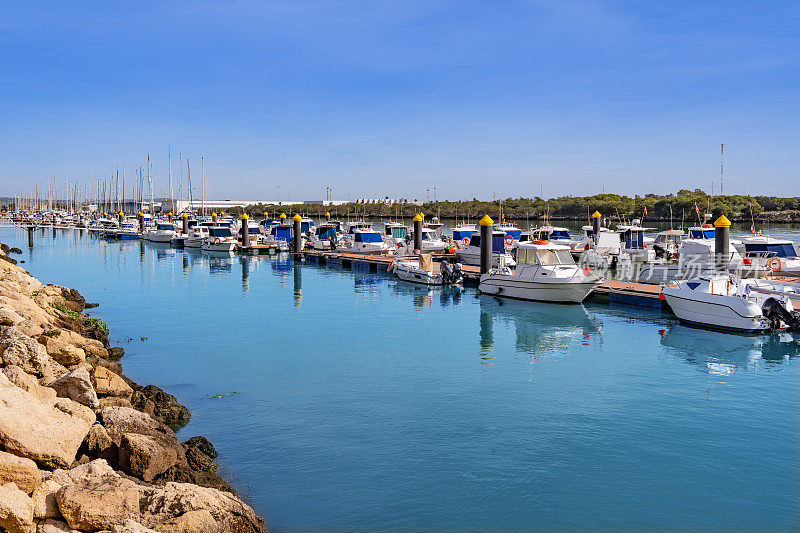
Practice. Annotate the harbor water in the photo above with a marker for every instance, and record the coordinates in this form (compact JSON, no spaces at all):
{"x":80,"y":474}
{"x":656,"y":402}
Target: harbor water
{"x":346,"y":400}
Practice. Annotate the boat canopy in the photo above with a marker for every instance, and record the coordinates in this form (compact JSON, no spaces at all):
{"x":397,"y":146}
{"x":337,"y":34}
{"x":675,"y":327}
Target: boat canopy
{"x":460,"y":234}
{"x":325,"y":233}
{"x":166,"y":227}
{"x":498,"y":242}
{"x":514,"y":232}
{"x":282,"y":233}
{"x":633,"y":239}
{"x":702,"y":233}
{"x":368,"y":236}
{"x":780,"y":249}
{"x":220,"y":231}
{"x":306,"y":225}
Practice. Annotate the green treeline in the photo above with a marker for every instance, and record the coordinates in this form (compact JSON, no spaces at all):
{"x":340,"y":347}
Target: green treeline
{"x":685,"y":204}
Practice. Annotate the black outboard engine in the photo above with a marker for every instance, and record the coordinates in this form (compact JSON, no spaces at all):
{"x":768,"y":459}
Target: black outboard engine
{"x":660,"y":251}
{"x":777,"y":314}
{"x":451,"y":273}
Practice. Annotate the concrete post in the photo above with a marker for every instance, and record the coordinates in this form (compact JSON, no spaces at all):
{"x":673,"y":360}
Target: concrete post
{"x":185,"y":220}
{"x":214,"y":218}
{"x":596,"y":224}
{"x":722,"y":244}
{"x":141,"y":222}
{"x":297,"y":238}
{"x":30,"y":236}
{"x":245,"y":231}
{"x":327,"y":215}
{"x":486,"y":243}
{"x":418,"y":232}
{"x":120,"y":218}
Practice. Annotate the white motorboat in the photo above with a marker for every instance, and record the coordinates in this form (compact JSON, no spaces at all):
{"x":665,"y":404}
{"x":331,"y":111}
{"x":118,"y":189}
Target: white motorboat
{"x":220,"y":239}
{"x":724,"y":301}
{"x":366,"y":241}
{"x":545,"y":272}
{"x":395,"y":234}
{"x":163,"y":232}
{"x":431,"y":242}
{"x":634,"y":243}
{"x":511,"y":231}
{"x":778,"y":255}
{"x":197,"y":235}
{"x":426,"y":272}
{"x":554,"y":234}
{"x":470,"y":254}
{"x":326,"y":236}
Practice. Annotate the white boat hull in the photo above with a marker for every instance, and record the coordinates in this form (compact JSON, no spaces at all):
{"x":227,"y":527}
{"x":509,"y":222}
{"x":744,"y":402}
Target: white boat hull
{"x":716,"y":311}
{"x":471,"y":257}
{"x":223,"y":246}
{"x":415,"y":275}
{"x":559,"y":292}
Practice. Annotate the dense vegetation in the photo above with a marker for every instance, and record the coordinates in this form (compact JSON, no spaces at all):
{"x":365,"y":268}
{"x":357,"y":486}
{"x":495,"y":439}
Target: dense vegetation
{"x":684,"y":205}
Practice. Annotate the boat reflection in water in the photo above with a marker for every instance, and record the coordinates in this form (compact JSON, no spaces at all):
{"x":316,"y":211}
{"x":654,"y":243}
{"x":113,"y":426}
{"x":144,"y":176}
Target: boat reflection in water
{"x":724,"y":353}
{"x":542,"y":329}
{"x":426,"y":295}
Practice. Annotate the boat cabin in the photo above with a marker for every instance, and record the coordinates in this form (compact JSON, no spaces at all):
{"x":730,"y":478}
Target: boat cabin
{"x":220,"y":232}
{"x":367,"y":236}
{"x":459,"y":234}
{"x":769,"y":248}
{"x":544,"y":255}
{"x":498,"y":242}
{"x":282,"y":232}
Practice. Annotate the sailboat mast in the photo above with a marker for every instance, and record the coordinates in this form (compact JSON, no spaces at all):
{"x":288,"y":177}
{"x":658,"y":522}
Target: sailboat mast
{"x":169,"y":176}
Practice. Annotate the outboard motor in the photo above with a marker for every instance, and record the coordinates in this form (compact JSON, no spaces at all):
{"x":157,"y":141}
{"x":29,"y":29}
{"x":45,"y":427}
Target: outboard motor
{"x":660,"y":251}
{"x":776,"y":313}
{"x":451,"y":273}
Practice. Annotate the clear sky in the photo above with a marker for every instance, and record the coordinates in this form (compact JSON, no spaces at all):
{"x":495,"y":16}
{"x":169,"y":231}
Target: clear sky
{"x":381,"y":98}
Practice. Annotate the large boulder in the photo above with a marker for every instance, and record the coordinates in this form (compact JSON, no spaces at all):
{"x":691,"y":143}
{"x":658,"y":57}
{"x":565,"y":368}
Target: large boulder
{"x":94,"y":503}
{"x":161,"y":405}
{"x":19,"y":470}
{"x":73,"y":408}
{"x":201,"y":521}
{"x":107,"y":383}
{"x":162,"y":504}
{"x":28,"y":382}
{"x":121,"y":420}
{"x":146,"y":457}
{"x":18,"y":349}
{"x":54,"y":526}
{"x":65,"y":353}
{"x":44,"y":500}
{"x":131,"y":526}
{"x":77,"y":385}
{"x":9,"y":317}
{"x":98,"y":444}
{"x":30,"y":428}
{"x":202,"y":444}
{"x":16,"y":510}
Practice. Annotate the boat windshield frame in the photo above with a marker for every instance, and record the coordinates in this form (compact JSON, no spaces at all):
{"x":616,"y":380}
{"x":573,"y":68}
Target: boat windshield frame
{"x":544,"y":257}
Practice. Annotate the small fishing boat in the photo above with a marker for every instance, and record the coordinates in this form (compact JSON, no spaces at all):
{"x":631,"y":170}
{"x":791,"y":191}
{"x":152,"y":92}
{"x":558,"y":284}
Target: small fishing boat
{"x":545,"y":272}
{"x":779,"y":255}
{"x":426,"y":272}
{"x":463,"y":232}
{"x":163,"y":232}
{"x":197,"y":235}
{"x":633,"y":242}
{"x":220,"y":239}
{"x":395,"y":234}
{"x":366,"y":241}
{"x":325,"y":236}
{"x":431,"y":242}
{"x":723,"y":301}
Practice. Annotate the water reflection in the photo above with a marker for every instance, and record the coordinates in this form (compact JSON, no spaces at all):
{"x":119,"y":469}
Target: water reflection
{"x":245,"y":260}
{"x":542,"y":330}
{"x":724,"y":353}
{"x":298,"y":283}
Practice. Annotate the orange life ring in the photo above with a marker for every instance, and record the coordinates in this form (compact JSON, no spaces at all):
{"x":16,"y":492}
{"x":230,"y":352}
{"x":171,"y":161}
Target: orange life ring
{"x":775,"y":263}
{"x":217,"y":241}
{"x":509,"y":240}
{"x":465,"y":240}
{"x":542,"y":241}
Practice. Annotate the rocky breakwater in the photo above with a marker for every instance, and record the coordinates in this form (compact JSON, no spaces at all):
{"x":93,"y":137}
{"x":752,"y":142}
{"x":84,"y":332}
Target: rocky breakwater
{"x":82,"y":448}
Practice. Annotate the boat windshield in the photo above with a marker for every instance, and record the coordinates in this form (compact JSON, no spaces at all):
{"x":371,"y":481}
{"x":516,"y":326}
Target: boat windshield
{"x":368,"y":236}
{"x":772,"y":250}
{"x":399,"y":233}
{"x":428,"y":235}
{"x":560,"y":234}
{"x":325,"y":233}
{"x":221,"y":232}
{"x":166,"y":227}
{"x":544,"y":256}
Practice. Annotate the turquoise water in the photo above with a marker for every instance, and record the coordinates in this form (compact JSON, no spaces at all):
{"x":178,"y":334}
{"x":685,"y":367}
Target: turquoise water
{"x":350,"y":401}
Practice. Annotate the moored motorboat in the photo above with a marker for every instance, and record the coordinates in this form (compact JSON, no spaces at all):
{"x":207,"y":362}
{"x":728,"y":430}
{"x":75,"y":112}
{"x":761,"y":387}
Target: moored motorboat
{"x":426,"y":272}
{"x":220,"y":239}
{"x":544,"y":272}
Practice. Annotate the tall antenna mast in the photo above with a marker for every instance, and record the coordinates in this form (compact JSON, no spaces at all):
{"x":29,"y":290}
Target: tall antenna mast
{"x":169,"y":174}
{"x":721,"y":166}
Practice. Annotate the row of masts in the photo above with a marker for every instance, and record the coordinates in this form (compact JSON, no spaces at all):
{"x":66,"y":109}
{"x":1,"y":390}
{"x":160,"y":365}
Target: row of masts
{"x":109,"y":194}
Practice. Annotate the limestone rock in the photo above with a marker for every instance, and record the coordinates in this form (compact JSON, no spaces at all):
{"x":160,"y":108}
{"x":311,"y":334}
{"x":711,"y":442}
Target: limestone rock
{"x":9,"y":317}
{"x":77,"y":385}
{"x":145,"y":457}
{"x":18,"y":349}
{"x":94,"y":469}
{"x":197,"y":460}
{"x":44,"y":500}
{"x":54,"y":526}
{"x":94,"y":503}
{"x":30,"y":428}
{"x":165,"y":406}
{"x":63,"y":352}
{"x":73,"y":408}
{"x":202,"y":444}
{"x":20,"y":471}
{"x":28,"y":382}
{"x":107,"y":383}
{"x":16,"y":510}
{"x":201,"y":521}
{"x":99,"y":444}
{"x":131,"y":526}
{"x":164,"y":503}
{"x":113,"y":401}
{"x":121,"y":420}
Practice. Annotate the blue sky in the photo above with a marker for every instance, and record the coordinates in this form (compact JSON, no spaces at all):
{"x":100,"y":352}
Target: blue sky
{"x":390,"y":98}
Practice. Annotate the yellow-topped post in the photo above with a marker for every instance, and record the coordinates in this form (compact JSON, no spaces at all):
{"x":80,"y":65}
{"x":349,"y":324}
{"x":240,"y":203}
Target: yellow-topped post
{"x":185,"y":224}
{"x":214,"y":217}
{"x":141,"y":222}
{"x":245,"y":233}
{"x":418,"y":232}
{"x":486,"y":224}
{"x":596,"y":225}
{"x":120,"y":218}
{"x":283,"y":218}
{"x":327,"y":215}
{"x":297,"y":236}
{"x":722,"y":243}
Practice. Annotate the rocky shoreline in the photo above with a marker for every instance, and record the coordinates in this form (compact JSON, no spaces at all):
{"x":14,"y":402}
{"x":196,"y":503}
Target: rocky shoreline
{"x":82,"y":447}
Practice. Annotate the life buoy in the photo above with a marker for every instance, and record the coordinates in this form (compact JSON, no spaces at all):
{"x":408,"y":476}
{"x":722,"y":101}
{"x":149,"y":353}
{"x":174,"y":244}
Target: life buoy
{"x":217,"y":241}
{"x":509,"y":240}
{"x":775,"y":263}
{"x":465,"y":240}
{"x":541,"y":241}
{"x":399,"y":244}
{"x":587,"y":271}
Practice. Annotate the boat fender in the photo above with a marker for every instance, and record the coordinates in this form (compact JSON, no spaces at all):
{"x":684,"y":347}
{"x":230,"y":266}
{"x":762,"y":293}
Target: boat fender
{"x":587,"y":271}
